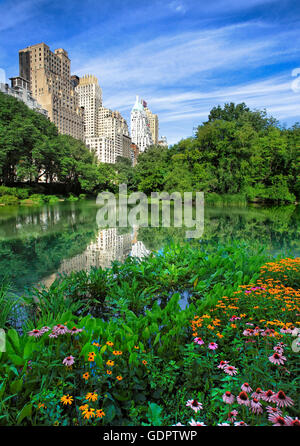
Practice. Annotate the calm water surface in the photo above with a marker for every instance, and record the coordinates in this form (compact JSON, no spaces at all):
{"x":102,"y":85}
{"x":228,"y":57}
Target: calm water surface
{"x":38,"y":243}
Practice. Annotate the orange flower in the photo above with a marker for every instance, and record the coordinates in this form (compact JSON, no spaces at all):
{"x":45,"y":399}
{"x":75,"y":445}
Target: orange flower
{"x":91,"y":396}
{"x":86,"y":376}
{"x":119,"y":378}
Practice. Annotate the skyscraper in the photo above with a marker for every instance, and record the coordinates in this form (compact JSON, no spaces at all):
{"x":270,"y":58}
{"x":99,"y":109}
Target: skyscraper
{"x":106,"y":131}
{"x":50,"y":83}
{"x":153,"y":121}
{"x":140,"y":126}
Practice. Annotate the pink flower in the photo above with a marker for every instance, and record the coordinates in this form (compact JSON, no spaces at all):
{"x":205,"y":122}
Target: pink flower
{"x":230,"y":370}
{"x":228,"y":398}
{"x":213,"y":345}
{"x":277,"y":420}
{"x":282,"y":400}
{"x":273,"y":410}
{"x":290,"y":422}
{"x":246,"y":388}
{"x":277,"y":358}
{"x":198,"y":341}
{"x":256,"y":406}
{"x":223,"y":364}
{"x":232,"y":415}
{"x":194,"y":404}
{"x":196,"y":423}
{"x":243,"y":399}
{"x":267,"y":395}
{"x":258,"y":393}
{"x":223,"y":424}
{"x":240,"y":423}
{"x":60,"y":329}
{"x":68,"y":361}
{"x":75,"y":330}
{"x":35,"y":333}
{"x":45,"y":329}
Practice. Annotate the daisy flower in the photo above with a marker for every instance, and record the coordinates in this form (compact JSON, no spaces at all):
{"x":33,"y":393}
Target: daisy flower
{"x":100,"y":413}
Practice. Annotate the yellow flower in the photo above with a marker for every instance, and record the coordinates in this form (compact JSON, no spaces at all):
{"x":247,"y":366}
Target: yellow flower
{"x":109,"y":372}
{"x":111,"y":363}
{"x":100,"y":413}
{"x":91,"y":396}
{"x":109,"y":343}
{"x":91,"y":356}
{"x":86,"y":376}
{"x":84,"y":407}
{"x":119,"y":378}
{"x":66,"y":399}
{"x":89,"y":413}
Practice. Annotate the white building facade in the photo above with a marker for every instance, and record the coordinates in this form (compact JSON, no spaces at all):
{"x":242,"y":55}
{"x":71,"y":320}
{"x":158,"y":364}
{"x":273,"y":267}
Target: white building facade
{"x":140,"y":126}
{"x":106,"y":131}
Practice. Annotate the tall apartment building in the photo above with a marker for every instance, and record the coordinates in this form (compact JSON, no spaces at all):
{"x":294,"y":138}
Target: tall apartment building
{"x":153,"y":122}
{"x":51,"y":85}
{"x":140,"y":126}
{"x":106,"y":131}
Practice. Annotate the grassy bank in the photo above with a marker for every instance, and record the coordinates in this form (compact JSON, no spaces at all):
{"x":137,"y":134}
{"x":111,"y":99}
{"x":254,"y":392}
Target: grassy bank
{"x":28,"y":196}
{"x":114,"y":347}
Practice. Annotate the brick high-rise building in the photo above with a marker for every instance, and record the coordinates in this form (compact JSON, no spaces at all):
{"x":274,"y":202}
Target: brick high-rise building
{"x":51,"y":85}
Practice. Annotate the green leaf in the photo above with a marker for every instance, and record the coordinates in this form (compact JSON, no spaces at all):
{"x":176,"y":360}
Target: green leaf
{"x":25,"y":412}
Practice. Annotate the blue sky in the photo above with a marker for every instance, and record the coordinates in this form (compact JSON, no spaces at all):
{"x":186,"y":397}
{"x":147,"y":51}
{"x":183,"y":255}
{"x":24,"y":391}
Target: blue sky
{"x":182,"y":56}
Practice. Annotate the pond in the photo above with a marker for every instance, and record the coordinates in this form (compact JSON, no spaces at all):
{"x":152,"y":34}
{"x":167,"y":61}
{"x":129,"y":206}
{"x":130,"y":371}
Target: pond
{"x":38,"y":243}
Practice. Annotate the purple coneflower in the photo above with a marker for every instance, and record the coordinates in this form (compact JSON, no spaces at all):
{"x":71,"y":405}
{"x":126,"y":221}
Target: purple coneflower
{"x":198,"y":341}
{"x":256,"y":406}
{"x":230,"y":370}
{"x":196,"y":423}
{"x":223,"y":364}
{"x":282,"y":400}
{"x":240,"y":423}
{"x":194,"y":404}
{"x":277,"y":420}
{"x":232,"y":415}
{"x":35,"y":333}
{"x":212,"y":345}
{"x":228,"y":397}
{"x":277,"y":358}
{"x":68,"y":361}
{"x":258,"y":393}
{"x":246,"y":388}
{"x":243,"y":399}
{"x":267,"y":395}
{"x":273,"y":410}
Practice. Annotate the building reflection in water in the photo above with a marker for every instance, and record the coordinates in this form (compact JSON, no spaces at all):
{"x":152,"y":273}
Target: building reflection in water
{"x":108,"y":246}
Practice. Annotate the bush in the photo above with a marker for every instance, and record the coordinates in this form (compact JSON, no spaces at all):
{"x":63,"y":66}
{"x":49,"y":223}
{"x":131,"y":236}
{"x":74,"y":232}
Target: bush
{"x":9,"y":199}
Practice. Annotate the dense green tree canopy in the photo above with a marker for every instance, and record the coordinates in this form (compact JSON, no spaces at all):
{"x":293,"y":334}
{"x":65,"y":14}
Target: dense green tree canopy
{"x":237,"y":151}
